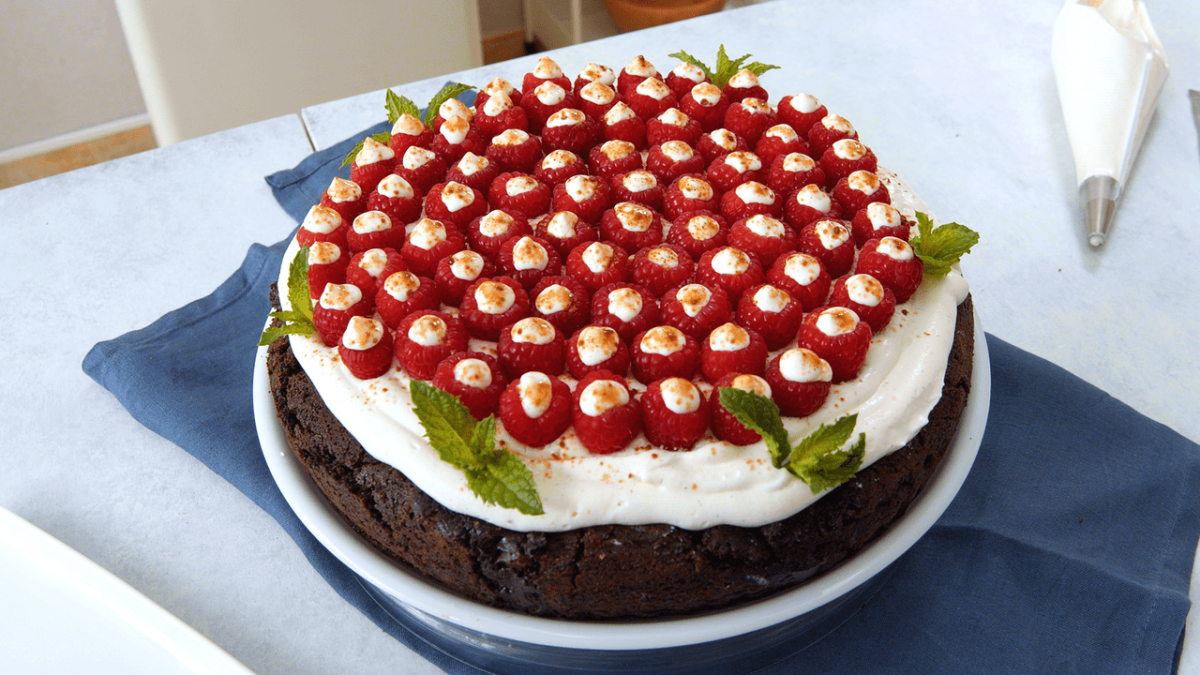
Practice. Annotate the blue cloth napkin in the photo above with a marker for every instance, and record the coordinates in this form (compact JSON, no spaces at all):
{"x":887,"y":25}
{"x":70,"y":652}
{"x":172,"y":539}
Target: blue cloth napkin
{"x":1069,"y":548}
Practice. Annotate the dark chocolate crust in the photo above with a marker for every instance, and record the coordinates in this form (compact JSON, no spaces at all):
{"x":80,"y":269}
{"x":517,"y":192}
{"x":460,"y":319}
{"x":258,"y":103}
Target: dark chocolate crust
{"x":610,"y":571}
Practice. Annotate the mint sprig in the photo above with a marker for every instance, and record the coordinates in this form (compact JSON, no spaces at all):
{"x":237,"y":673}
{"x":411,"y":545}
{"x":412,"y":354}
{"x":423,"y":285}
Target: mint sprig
{"x":725,"y":68}
{"x":495,"y":475}
{"x":299,"y":319}
{"x":817,"y":459}
{"x":398,"y":106}
{"x":939,"y":248}
{"x":384,"y":137}
{"x":448,"y":92}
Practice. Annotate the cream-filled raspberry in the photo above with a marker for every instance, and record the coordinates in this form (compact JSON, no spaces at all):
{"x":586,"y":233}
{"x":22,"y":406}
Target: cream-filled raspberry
{"x":597,"y":344}
{"x":731,"y":348}
{"x":748,"y":199}
{"x":494,"y":298}
{"x":803,"y":277}
{"x":491,"y":304}
{"x":597,"y":264}
{"x":532,"y":344}
{"x":800,"y":381}
{"x":601,"y":396}
{"x":837,"y":335}
{"x":321,"y":224}
{"x":427,"y":331}
{"x":772,"y":313}
{"x":631,"y":226}
{"x":664,"y":351}
{"x":534,"y":391}
{"x":626,"y":308}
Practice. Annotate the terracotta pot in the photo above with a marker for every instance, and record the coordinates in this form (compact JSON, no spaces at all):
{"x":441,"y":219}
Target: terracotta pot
{"x":631,"y":15}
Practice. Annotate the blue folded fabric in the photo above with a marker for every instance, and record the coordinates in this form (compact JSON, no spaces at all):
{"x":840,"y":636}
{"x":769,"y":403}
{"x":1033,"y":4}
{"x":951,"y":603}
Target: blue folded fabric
{"x":1069,"y":548}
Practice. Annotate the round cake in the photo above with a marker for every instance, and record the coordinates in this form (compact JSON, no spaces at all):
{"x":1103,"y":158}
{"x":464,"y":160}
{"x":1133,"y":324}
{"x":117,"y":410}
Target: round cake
{"x":592,"y":266}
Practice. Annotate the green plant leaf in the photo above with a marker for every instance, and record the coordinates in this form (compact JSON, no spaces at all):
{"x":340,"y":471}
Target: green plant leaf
{"x":507,"y":482}
{"x":447,"y":422}
{"x":759,"y":413}
{"x":384,"y":137}
{"x":448,"y":92}
{"x":760,"y":68}
{"x":818,"y":459}
{"x":398,"y":106}
{"x":688,"y":58}
{"x":299,"y":319}
{"x":940,"y":248}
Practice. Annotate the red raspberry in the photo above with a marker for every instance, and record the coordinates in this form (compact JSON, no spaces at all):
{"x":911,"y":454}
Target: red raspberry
{"x":569,"y":129}
{"x":333,"y":310}
{"x":374,"y":229}
{"x":837,"y":335}
{"x":597,"y":264}
{"x":488,"y":232}
{"x":515,"y":150}
{"x":859,"y":189}
{"x":367,"y":269}
{"x":730,"y":348}
{"x":675,"y":413}
{"x":519,"y":193}
{"x":425,"y":338}
{"x":729,"y":171}
{"x":421,"y":168}
{"x":454,"y":204}
{"x":450,"y":109}
{"x":595,"y":99}
{"x":830,"y":129}
{"x":408,"y":131}
{"x":638,"y":186}
{"x":664,"y":351}
{"x":772,"y":313}
{"x":749,"y":199}
{"x":322,"y":224}
{"x":650,"y":98}
{"x":606,"y":415}
{"x":661,"y":268}
{"x":544,"y":100}
{"x":429,"y":242}
{"x":395,"y":197}
{"x":687,"y":194}
{"x":366,"y":348}
{"x":792,"y":171}
{"x":326,"y":265}
{"x":613,"y":158}
{"x":803,"y":277}
{"x":800,"y":382}
{"x":684,"y":77}
{"x":877,"y":221}
{"x":621,"y":123}
{"x":780,"y":139}
{"x":585,"y":196}
{"x":695,"y":309}
{"x":730,"y":269}
{"x":490,"y":304}
{"x":808,"y":205}
{"x":499,"y":114}
{"x":403,"y":293}
{"x":698,"y":232}
{"x":556,"y":167}
{"x":546,"y":71}
{"x":763,"y":237}
{"x":718,"y":143}
{"x":870,"y":300}
{"x":631,"y":226}
{"x":672,"y":125}
{"x":706,"y":104}
{"x":845,"y":157}
{"x":532,"y":344}
{"x":562,"y":301}
{"x":830,"y":242}
{"x":596,"y":348}
{"x":475,"y":378}
{"x":564,"y":231}
{"x":456,"y":272}
{"x":749,"y":118}
{"x":672,"y":160}
{"x":724,"y":425}
{"x":498,"y":84}
{"x":474,"y":171}
{"x":456,"y":138}
{"x":894,"y":263}
{"x":595,"y":72}
{"x":548,"y":398}
{"x":743,"y":85}
{"x":528,"y":259}
{"x":371,"y":164}
{"x":635,"y":73}
{"x":345,"y":197}
{"x":801,"y":112}
{"x":626,"y":308}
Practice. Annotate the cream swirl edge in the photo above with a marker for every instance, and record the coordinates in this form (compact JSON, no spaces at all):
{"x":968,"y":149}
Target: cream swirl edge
{"x":716,"y":483}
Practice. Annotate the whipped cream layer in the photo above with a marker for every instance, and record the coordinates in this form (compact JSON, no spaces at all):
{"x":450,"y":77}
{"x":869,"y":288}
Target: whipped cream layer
{"x":715,"y":483}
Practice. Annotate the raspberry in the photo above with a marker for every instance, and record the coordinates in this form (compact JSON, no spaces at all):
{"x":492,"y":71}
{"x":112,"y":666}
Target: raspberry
{"x":631,"y":226}
{"x":597,"y":264}
{"x":374,"y":229}
{"x":729,"y":171}
{"x":421,"y":168}
{"x":345,"y":197}
{"x":792,"y":171}
{"x":830,"y":129}
{"x":698,"y":232}
{"x":488,"y":232}
{"x":564,"y":231}
{"x":532,"y":344}
{"x":585,"y":196}
{"x":326,"y":265}
{"x":695,"y":309}
{"x":556,"y":167}
{"x":428,"y":242}
{"x":595,"y":99}
{"x":395,"y":197}
{"x":403,"y":293}
{"x":515,"y":150}
{"x":367,"y":269}
{"x":638,"y":70}
{"x":475,"y":378}
{"x":672,"y":125}
{"x":596,"y":348}
{"x":808,"y":205}
{"x":621,"y":123}
{"x":474,"y":171}
{"x":371,"y":164}
{"x":706,"y":104}
{"x":425,"y":338}
{"x":837,"y":335}
{"x":490,"y":304}
{"x":859,"y":189}
{"x":894,"y":263}
{"x":718,"y":143}
{"x":456,"y":272}
{"x":519,"y":193}
{"x":672,"y":160}
{"x":763,"y":237}
{"x":870,"y":300}
{"x":569,"y":129}
{"x":498,"y":115}
{"x":456,"y":138}
{"x":450,"y":109}
{"x":535,"y":409}
{"x":366,"y":348}
{"x":498,"y":84}
{"x":562,"y":301}
{"x":661,"y":268}
{"x":731,"y":348}
{"x":687,"y":194}
{"x":664,"y":351}
{"x":613,"y":158}
{"x":626,"y":308}
{"x":333,"y":310}
{"x":675,"y":413}
{"x":845,"y":157}
{"x":638,"y":186}
{"x":749,"y":118}
{"x":803,"y":277}
{"x":780,"y":139}
{"x":454,"y":204}
{"x":606,"y":415}
{"x":322,"y":224}
{"x":650,"y":98}
{"x":743,"y":85}
{"x":684,"y":77}
{"x":800,"y":382}
{"x":545,"y":71}
{"x":749,"y":199}
{"x":528,"y":259}
{"x":730,"y":269}
{"x":801,"y":112}
{"x":407,"y":132}
{"x":594,"y":73}
{"x":724,"y":425}
{"x":544,"y":100}
{"x":830,"y":242}
{"x":876,"y":221}
{"x":772,"y":313}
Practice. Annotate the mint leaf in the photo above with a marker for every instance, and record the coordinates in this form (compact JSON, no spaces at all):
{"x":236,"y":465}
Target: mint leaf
{"x":726,"y":67}
{"x":939,"y":248}
{"x":506,"y":482}
{"x":760,"y":68}
{"x":760,"y":414}
{"x":398,"y":106}
{"x":448,"y":92}
{"x":299,"y":319}
{"x":688,"y":58}
{"x":447,"y":422}
{"x":818,"y":461}
{"x":384,"y":137}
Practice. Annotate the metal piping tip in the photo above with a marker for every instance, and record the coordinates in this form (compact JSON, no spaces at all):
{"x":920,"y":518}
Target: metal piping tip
{"x":1098,"y":195}
{"x":1096,"y":240}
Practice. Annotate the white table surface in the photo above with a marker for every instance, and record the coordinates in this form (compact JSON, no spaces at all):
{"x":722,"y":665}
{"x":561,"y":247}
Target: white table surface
{"x":961,"y":102}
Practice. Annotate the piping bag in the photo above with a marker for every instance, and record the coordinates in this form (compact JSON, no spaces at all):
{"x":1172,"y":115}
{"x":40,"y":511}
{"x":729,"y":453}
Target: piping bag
{"x":1110,"y":68}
